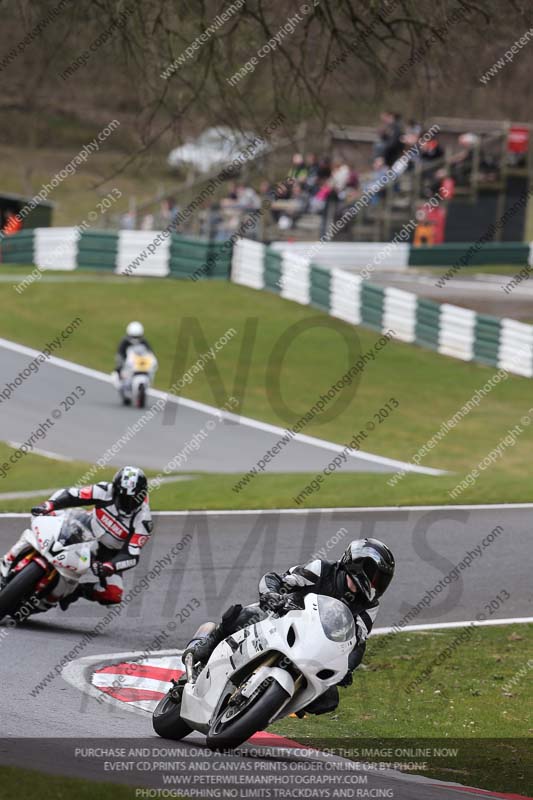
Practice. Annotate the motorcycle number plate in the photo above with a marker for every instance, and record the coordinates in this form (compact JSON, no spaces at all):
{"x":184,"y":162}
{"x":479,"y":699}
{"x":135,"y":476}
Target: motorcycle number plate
{"x":142,"y":363}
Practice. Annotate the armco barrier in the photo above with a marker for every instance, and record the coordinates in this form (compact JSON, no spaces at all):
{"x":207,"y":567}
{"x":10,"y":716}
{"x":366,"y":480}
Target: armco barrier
{"x":151,"y":253}
{"x":56,"y":248}
{"x":98,"y":250}
{"x":469,"y":255}
{"x":134,"y":253}
{"x":399,"y":256}
{"x":450,"y":330}
{"x":19,"y":248}
{"x":350,"y":255}
{"x":198,"y":258}
{"x":137,"y":254}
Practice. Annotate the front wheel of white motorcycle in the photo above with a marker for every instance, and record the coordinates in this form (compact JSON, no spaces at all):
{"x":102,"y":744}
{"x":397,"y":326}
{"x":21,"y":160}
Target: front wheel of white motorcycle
{"x":19,"y":588}
{"x":243,"y":717}
{"x":166,"y":719}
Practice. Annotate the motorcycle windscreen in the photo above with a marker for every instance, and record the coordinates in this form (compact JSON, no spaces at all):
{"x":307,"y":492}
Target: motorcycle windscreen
{"x":142,"y":360}
{"x":337,"y":621}
{"x":76,"y":530}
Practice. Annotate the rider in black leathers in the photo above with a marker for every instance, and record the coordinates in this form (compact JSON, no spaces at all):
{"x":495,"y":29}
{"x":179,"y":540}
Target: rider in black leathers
{"x":359,"y":579}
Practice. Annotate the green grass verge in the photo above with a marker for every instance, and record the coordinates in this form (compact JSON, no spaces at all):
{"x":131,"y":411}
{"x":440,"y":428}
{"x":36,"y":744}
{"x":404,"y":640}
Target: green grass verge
{"x":21,"y":783}
{"x":466,"y":698}
{"x":215,"y":491}
{"x":428,"y":387}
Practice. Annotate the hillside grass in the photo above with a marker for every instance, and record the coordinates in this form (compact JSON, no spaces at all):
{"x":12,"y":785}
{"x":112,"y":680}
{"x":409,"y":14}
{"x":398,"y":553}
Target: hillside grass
{"x":428,"y":388}
{"x":78,"y":194}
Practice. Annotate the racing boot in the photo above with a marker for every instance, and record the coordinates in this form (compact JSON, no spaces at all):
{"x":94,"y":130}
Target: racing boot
{"x":209,"y":635}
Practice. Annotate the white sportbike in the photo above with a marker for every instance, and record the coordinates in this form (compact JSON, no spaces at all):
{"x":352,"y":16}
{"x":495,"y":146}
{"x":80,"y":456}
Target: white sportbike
{"x":271,"y":668}
{"x":137,"y":375}
{"x":57,"y":558}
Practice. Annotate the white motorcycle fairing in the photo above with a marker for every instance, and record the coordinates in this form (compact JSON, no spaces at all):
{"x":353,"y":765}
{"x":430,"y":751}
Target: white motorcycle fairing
{"x":71,"y":561}
{"x":138,"y":370}
{"x":305,"y":651}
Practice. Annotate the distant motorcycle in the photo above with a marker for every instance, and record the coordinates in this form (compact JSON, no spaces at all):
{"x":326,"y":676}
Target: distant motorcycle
{"x":58,"y":558}
{"x":263,"y":672}
{"x":137,"y":375}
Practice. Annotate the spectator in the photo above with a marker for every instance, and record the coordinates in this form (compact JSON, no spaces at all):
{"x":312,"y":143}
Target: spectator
{"x":324,"y":170}
{"x":247,"y":197}
{"x":318,"y":202}
{"x":313,"y":172}
{"x":169,"y":210}
{"x":431,"y":156}
{"x":390,"y":145}
{"x":298,"y":171}
{"x":12,"y":224}
{"x":340,"y":174}
{"x":373,"y":186}
{"x":232,"y":196}
{"x":431,"y":150}
{"x":147,"y":222}
{"x":127,"y":221}
{"x":413,"y":130}
{"x":461,"y":163}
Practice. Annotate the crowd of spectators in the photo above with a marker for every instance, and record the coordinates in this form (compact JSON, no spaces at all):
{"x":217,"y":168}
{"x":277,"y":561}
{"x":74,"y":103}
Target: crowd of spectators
{"x":325,"y":186}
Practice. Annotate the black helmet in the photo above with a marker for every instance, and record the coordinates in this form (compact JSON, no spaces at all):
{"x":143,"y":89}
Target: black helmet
{"x":370,"y":564}
{"x":130,"y":488}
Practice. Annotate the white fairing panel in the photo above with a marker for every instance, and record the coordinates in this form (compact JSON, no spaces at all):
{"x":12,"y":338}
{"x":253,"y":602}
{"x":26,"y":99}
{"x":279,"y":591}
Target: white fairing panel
{"x":300,"y":636}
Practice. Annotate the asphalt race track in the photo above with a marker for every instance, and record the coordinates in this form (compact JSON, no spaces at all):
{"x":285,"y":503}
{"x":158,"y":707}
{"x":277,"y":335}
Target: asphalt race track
{"x":221,"y":559}
{"x":90,"y":427}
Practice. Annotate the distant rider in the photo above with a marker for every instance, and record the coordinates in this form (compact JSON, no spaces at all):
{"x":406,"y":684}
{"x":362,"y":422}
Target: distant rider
{"x":121,"y":521}
{"x":359,"y":579}
{"x":134,"y":335}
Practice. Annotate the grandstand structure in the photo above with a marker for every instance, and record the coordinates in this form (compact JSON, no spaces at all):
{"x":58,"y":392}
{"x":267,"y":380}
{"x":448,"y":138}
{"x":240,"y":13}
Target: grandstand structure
{"x":497,"y":173}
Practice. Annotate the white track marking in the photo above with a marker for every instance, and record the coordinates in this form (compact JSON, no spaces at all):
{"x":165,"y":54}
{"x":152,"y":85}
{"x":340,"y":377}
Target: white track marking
{"x":36,"y":492}
{"x":437,"y":626}
{"x":327,"y":510}
{"x":212,"y":411}
{"x":46,"y":453}
{"x":30,"y":493}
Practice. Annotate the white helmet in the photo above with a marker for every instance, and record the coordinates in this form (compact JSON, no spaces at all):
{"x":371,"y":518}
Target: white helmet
{"x":135,"y":330}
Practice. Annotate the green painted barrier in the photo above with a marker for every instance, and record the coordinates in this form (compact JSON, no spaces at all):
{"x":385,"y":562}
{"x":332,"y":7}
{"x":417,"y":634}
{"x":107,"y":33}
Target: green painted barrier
{"x":372,"y":302}
{"x":487,"y":333}
{"x":320,"y":287}
{"x":469,"y":254}
{"x":427,"y":324}
{"x":272,"y":272}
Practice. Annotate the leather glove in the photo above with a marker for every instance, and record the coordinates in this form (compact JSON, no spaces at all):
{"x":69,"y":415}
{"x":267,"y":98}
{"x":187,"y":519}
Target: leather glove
{"x":272,"y":601}
{"x":346,"y":681}
{"x":102,"y":569}
{"x":42,"y":509}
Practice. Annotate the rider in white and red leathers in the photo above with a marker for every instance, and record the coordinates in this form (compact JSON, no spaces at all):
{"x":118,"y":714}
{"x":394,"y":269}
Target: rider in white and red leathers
{"x":121,"y":521}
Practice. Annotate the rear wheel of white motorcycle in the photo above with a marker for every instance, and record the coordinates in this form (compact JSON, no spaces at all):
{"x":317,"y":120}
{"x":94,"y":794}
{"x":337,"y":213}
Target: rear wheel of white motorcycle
{"x":141,"y":396}
{"x":19,"y":588}
{"x":240,"y":720}
{"x":167,"y":721}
